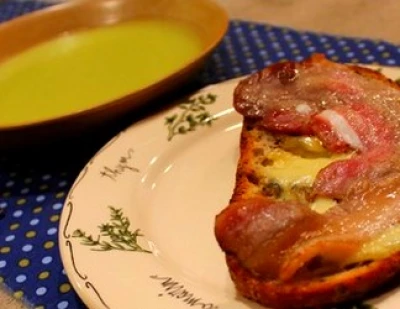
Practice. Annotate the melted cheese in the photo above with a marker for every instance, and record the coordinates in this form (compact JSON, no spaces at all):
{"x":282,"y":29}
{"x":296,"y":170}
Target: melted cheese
{"x":289,"y":170}
{"x":381,"y":247}
{"x":321,"y":205}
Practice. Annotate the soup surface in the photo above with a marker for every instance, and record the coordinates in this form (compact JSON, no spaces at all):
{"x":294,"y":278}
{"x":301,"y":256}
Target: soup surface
{"x":80,"y":70}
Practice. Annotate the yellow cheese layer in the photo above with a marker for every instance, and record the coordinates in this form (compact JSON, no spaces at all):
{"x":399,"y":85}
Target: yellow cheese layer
{"x":289,"y":169}
{"x":381,"y":247}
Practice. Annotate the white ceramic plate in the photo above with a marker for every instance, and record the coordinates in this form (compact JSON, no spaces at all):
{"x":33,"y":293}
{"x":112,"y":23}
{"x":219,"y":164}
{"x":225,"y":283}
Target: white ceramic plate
{"x":137,"y":227}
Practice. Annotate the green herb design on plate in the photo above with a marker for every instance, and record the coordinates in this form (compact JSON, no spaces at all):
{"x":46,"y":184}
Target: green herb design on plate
{"x":116,"y":232}
{"x":193,"y":114}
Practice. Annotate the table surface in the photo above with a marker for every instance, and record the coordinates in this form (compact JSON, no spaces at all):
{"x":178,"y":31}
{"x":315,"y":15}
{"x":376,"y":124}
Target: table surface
{"x":362,"y":18}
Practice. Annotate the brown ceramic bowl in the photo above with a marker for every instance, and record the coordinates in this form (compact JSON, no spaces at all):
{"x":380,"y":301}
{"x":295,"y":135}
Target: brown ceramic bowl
{"x":209,"y":19}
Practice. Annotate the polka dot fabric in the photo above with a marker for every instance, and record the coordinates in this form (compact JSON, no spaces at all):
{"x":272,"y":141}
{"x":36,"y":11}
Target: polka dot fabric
{"x":32,"y":197}
{"x":30,"y":264}
{"x":248,"y":47}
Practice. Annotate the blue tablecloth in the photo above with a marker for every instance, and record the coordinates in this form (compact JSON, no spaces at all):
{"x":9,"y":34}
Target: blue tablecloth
{"x":32,"y":192}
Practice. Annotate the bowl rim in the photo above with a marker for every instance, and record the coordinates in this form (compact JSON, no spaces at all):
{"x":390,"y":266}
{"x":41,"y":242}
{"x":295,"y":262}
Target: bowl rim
{"x":139,"y":93}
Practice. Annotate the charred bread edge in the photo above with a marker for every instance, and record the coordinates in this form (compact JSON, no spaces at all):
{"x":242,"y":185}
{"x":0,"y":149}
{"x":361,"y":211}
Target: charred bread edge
{"x":345,"y":286}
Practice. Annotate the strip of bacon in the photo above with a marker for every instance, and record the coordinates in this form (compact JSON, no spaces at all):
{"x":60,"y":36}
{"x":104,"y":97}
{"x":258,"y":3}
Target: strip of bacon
{"x":362,"y":127}
{"x":279,"y":240}
{"x":288,"y":121}
{"x":259,"y":230}
{"x":324,"y":130}
{"x":357,"y":125}
{"x":338,"y":178}
{"x":347,"y":228}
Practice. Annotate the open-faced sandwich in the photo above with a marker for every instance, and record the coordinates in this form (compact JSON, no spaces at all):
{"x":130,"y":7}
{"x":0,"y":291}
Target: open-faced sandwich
{"x":314,"y":219}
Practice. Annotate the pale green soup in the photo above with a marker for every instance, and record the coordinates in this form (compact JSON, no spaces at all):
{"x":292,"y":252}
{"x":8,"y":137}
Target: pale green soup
{"x":84,"y":69}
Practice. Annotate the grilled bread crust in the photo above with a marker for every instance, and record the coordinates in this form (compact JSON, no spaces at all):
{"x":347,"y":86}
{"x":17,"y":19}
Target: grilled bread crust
{"x":348,"y":285}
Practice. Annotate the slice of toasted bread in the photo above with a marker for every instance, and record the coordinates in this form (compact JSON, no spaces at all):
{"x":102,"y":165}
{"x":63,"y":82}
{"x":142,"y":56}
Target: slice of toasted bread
{"x":253,"y":180}
{"x":348,"y":285}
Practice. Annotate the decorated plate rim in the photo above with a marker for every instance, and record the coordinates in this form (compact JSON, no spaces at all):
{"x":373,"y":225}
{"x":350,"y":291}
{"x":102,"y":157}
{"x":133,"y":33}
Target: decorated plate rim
{"x":186,"y":122}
